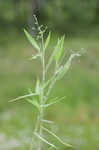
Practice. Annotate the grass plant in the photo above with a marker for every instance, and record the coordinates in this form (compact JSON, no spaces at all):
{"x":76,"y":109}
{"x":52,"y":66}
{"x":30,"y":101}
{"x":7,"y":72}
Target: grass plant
{"x":40,"y":97}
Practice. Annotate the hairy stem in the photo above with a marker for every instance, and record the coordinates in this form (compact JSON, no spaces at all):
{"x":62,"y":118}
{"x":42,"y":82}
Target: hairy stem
{"x":42,"y":93}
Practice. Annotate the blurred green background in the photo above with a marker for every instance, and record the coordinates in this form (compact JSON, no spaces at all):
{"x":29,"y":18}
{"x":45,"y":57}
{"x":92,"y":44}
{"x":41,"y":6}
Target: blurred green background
{"x":77,"y":117}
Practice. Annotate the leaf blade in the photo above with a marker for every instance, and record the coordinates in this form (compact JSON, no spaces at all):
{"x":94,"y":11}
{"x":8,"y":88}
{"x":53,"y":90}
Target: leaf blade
{"x":44,"y":140}
{"x":56,"y":101}
{"x":31,"y":40}
{"x":60,"y":49}
{"x":53,"y":55}
{"x":37,"y":88}
{"x":47,"y":41}
{"x":22,"y":97}
{"x":66,"y":66}
{"x":50,"y":132}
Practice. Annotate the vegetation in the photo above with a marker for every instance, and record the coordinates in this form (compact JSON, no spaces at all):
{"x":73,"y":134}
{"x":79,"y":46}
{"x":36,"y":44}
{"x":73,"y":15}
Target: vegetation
{"x":76,"y":118}
{"x":43,"y":88}
{"x":73,"y":16}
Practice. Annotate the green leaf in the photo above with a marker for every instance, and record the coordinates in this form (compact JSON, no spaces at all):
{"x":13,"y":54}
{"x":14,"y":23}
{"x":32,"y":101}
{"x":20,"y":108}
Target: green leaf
{"x":47,"y":41}
{"x":53,"y":55}
{"x":58,"y":138}
{"x":35,"y":57}
{"x":56,"y":101}
{"x":44,"y":140}
{"x":47,"y":121}
{"x":31,"y":40}
{"x":60,"y":49}
{"x":37,"y":89}
{"x":22,"y":97}
{"x":66,"y":67}
{"x":47,"y":83}
{"x":34,"y":102}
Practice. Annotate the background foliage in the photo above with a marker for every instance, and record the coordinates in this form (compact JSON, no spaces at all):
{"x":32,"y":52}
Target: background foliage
{"x":60,"y":15}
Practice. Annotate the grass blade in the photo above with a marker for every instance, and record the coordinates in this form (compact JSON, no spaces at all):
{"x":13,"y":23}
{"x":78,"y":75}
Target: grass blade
{"x":47,"y":105}
{"x":50,"y":132}
{"x":47,"y":41}
{"x":31,"y":40}
{"x":37,"y":89}
{"x":66,"y":67}
{"x":60,"y":49}
{"x":53,"y":55}
{"x":22,"y":97}
{"x":47,"y":121}
{"x":35,"y":57}
{"x":44,"y":140}
{"x":47,"y":83}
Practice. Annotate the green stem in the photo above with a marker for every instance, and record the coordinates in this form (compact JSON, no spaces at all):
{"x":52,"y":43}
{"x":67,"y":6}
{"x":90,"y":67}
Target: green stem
{"x":42,"y":94}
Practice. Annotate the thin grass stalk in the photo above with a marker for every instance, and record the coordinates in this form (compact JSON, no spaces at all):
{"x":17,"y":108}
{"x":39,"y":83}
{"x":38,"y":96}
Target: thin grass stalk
{"x":42,"y":92}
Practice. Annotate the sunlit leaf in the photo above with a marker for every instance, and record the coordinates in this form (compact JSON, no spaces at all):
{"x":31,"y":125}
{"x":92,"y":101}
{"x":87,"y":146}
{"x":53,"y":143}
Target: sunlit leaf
{"x":60,"y":49}
{"x":47,"y":121}
{"x":35,"y":57}
{"x":22,"y":97}
{"x":44,"y":140}
{"x":66,"y":67}
{"x":31,"y":40}
{"x":47,"y":83}
{"x":56,"y":101}
{"x":37,"y":89}
{"x":58,"y":138}
{"x":47,"y":41}
{"x":54,"y":53}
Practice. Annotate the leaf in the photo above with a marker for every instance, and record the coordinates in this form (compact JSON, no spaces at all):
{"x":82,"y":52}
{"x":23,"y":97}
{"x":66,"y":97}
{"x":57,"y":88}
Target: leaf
{"x":35,"y":57}
{"x":31,"y":40}
{"x":47,"y":105}
{"x":66,"y":67}
{"x":47,"y":83}
{"x":44,"y":140}
{"x":34,"y":103}
{"x":47,"y":121}
{"x":53,"y":55}
{"x":60,"y":49}
{"x":22,"y":97}
{"x":47,"y":41}
{"x":37,"y":89}
{"x":50,"y":132}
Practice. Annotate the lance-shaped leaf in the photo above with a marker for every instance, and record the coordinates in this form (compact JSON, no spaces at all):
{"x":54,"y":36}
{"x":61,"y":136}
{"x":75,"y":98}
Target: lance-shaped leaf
{"x":31,"y":40}
{"x":37,"y":89}
{"x":60,"y":49}
{"x":66,"y":67}
{"x":47,"y":82}
{"x":35,"y":57}
{"x":44,"y":140}
{"x":56,"y":101}
{"x":22,"y":97}
{"x":47,"y":41}
{"x":47,"y":121}
{"x":54,"y":53}
{"x":50,"y":132}
{"x":34,"y":102}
